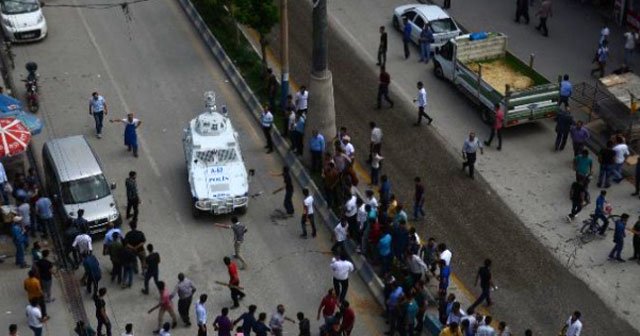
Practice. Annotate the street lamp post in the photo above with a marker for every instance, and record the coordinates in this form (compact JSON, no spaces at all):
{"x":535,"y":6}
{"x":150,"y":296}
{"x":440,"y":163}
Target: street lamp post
{"x":322,"y":113}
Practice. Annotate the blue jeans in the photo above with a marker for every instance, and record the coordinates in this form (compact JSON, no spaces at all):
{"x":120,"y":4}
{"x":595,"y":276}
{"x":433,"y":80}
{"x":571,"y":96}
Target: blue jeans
{"x":98,"y":117}
{"x":617,"y":172}
{"x":418,"y":209}
{"x":604,"y":178}
{"x":617,"y":250}
{"x":36,"y":331}
{"x":425,"y":52}
{"x":605,"y":221}
{"x":127,"y":272}
{"x":486,"y":295}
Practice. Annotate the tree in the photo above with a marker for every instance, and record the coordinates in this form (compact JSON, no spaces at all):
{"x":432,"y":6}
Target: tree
{"x":260,"y":15}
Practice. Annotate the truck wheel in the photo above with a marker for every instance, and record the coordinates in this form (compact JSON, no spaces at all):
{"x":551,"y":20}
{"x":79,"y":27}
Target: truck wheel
{"x":396,"y":23}
{"x":485,"y":116}
{"x":437,"y":70}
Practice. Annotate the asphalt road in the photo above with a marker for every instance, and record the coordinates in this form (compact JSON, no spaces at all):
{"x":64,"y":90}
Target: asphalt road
{"x":152,"y":63}
{"x":536,"y":291}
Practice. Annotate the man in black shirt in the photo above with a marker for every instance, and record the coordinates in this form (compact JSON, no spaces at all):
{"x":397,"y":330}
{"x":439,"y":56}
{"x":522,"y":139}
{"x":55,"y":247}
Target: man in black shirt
{"x":607,"y":161}
{"x":45,"y":269}
{"x":486,"y":283}
{"x":101,"y":311}
{"x":382,"y":49}
{"x":134,"y":240}
{"x":152,"y":260}
{"x":132,"y":195}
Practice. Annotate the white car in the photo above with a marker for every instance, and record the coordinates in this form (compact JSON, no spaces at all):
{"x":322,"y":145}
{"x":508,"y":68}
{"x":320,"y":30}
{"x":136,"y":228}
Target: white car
{"x":419,"y":16}
{"x":217,"y":175}
{"x":22,"y":20}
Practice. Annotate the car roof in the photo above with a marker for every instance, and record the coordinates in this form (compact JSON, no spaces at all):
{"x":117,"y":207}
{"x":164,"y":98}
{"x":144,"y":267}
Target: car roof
{"x":73,"y":158}
{"x":431,"y":12}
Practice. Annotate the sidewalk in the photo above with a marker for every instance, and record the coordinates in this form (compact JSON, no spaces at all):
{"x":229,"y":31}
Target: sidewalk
{"x":14,"y":301}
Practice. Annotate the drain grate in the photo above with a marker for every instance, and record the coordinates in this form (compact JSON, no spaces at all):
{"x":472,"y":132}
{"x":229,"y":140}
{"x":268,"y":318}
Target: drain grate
{"x":72,"y":294}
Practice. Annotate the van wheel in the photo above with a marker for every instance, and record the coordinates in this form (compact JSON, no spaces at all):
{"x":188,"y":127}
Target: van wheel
{"x":437,"y":70}
{"x":195,"y":212}
{"x":396,"y":23}
{"x":485,"y":116}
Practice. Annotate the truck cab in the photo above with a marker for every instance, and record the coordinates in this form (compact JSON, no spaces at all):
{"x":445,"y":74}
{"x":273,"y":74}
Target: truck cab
{"x":217,"y":174}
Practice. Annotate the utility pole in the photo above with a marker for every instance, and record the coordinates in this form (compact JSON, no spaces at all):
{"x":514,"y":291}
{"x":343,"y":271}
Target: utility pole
{"x":322,"y":113}
{"x":284,"y":56}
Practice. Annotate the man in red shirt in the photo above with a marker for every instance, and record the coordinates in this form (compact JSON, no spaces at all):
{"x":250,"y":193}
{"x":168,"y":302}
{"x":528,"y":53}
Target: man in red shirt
{"x":383,"y":87}
{"x":496,"y":128}
{"x":234,"y":282}
{"x":348,"y":318}
{"x":328,"y":305}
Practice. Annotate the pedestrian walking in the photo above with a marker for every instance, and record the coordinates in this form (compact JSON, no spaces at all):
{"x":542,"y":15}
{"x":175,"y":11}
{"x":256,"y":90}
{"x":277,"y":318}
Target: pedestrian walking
{"x":317,"y":147}
{"x":618,"y":238}
{"x":604,"y":34}
{"x":622,"y":152}
{"x":304,"y":325}
{"x":35,"y":318}
{"x":92,"y":272}
{"x":426,"y":38}
{"x":80,"y":222}
{"x":406,"y":38}
{"x":129,"y":264}
{"x":201,"y":315}
{"x":522,"y":10}
{"x":307,"y":214}
{"x":566,"y":89}
{"x":636,"y":241}
{"x":340,"y":235}
{"x":583,"y":166}
{"x":288,"y":190}
{"x":289,"y":117}
{"x":375,"y":142}
{"x":384,"y":250}
{"x":543,"y":14}
{"x":164,"y":306}
{"x":33,"y":287}
{"x":222,"y":324}
{"x":239,"y":231}
{"x":606,"y":159}
{"x":20,"y":241}
{"x":98,"y":109}
{"x":469,"y":151}
{"x":384,"y":80}
{"x":185,"y":290}
{"x":341,"y":267}
{"x":630,"y":39}
{"x":348,"y":318}
{"x":234,"y":282}
{"x":276,"y":324}
{"x":248,"y":320}
{"x":266,"y":121}
{"x":393,"y":302}
{"x":101,"y":311}
{"x":496,"y":127}
{"x":115,"y":255}
{"x":44,"y":216}
{"x":577,"y":195}
{"x":328,"y":305}
{"x":418,"y":198}
{"x":486,"y":284}
{"x":573,"y":326}
{"x":376,"y":162}
{"x":152,"y":260}
{"x":579,"y":137}
{"x":382,"y":48}
{"x":601,"y":57}
{"x":302,"y":100}
{"x":261,"y":328}
{"x":421,"y":102}
{"x":131,"y":126}
{"x":45,"y":272}
{"x":272,"y":88}
{"x":133,"y":200}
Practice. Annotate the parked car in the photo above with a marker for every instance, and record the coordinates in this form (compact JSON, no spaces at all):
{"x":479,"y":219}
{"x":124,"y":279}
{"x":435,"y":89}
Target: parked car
{"x":419,"y":16}
{"x":22,"y":20}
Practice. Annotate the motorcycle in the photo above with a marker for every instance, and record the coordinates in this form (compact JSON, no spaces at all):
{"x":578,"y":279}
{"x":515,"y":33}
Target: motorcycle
{"x":31,"y":86}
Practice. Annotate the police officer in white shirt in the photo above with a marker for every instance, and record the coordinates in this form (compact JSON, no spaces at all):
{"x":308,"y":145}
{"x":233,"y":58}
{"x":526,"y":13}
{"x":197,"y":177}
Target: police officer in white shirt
{"x":302,"y":100}
{"x":341,"y":268}
{"x":266,"y":120}
{"x":573,"y":326}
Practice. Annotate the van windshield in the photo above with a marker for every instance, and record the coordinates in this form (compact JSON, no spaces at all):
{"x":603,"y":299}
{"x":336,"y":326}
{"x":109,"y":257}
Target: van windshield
{"x":10,"y":7}
{"x":85,"y":190}
{"x":442,"y":26}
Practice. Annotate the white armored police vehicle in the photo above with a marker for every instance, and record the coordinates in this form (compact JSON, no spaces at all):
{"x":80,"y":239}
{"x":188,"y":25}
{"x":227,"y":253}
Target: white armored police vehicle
{"x":217,"y":175}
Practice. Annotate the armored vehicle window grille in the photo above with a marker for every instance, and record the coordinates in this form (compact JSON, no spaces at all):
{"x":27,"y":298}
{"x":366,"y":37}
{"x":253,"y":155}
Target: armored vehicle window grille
{"x":217,"y":156}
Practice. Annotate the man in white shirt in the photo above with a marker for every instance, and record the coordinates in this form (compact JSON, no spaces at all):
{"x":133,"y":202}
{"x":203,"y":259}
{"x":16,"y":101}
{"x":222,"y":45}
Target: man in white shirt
{"x":201,"y":315}
{"x":375,"y":144}
{"x":307,"y":214}
{"x":340,"y":235}
{"x":574,"y":325}
{"x":630,"y":38}
{"x":622,"y":152}
{"x":83,"y":244}
{"x":371,"y":199}
{"x":445,"y":254}
{"x":302,"y":100}
{"x":34,"y":317}
{"x":421,"y":101}
{"x":341,"y":268}
{"x":486,"y":329}
{"x":266,"y":121}
{"x":348,"y":148}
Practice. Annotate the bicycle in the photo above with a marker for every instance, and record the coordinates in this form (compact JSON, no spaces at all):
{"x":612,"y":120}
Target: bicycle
{"x":590,"y":227}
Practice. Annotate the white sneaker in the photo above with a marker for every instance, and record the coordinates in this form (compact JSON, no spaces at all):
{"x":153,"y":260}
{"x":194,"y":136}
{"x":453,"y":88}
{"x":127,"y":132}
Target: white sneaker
{"x":99,"y":136}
